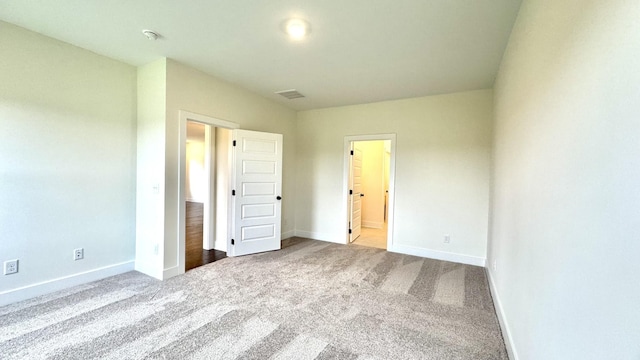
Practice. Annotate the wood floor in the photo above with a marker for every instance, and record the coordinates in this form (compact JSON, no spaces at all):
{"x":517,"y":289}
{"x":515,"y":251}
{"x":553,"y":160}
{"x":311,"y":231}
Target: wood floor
{"x":196,"y":256}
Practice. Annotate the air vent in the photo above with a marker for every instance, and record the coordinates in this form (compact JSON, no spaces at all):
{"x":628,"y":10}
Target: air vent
{"x":290,"y":94}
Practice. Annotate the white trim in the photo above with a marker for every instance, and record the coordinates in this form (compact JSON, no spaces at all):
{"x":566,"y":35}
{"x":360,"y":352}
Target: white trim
{"x":345,"y":183}
{"x":185,"y":116}
{"x":373,"y":224}
{"x":208,"y":120}
{"x":49,"y":286}
{"x":502,"y":318}
{"x":172,"y":271}
{"x":287,"y":234}
{"x":438,"y":255}
{"x":209,"y":208}
{"x":320,"y":236}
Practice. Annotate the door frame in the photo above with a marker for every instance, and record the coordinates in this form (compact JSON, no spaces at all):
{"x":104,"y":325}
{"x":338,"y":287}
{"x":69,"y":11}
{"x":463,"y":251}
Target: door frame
{"x":209,"y":211}
{"x":392,"y":180}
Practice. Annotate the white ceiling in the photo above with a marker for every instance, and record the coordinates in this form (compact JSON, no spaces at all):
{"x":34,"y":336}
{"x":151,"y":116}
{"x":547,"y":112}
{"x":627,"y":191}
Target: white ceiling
{"x":359,"y":51}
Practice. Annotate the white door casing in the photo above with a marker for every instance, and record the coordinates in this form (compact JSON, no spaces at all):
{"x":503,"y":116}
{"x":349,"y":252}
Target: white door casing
{"x":355,"y":194}
{"x":257,"y":184}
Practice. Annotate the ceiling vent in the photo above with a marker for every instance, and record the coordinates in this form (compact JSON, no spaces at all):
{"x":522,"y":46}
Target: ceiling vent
{"x":290,"y":94}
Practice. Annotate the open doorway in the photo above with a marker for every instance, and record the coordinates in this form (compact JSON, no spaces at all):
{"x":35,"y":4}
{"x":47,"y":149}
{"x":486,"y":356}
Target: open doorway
{"x":369,"y":180}
{"x":201,"y":171}
{"x":369,"y":185}
{"x":203,"y":238}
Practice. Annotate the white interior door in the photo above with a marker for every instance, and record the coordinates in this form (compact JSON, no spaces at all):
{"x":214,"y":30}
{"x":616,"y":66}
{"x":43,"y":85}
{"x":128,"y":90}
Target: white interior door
{"x":257,"y":185}
{"x":355,"y":193}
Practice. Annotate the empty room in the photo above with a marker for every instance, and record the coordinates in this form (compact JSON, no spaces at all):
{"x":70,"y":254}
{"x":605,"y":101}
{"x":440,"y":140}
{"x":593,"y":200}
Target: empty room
{"x":320,"y":179}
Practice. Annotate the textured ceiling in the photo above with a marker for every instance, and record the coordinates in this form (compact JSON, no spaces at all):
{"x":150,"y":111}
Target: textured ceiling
{"x":359,"y":51}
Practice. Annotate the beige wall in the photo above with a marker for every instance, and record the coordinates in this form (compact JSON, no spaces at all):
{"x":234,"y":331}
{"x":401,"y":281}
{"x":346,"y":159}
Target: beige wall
{"x":442,"y":170}
{"x":566,"y":207}
{"x":67,"y":163}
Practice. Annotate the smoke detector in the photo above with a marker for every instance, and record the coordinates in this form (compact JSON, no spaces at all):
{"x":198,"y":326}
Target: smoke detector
{"x":151,"y":35}
{"x":290,"y":94}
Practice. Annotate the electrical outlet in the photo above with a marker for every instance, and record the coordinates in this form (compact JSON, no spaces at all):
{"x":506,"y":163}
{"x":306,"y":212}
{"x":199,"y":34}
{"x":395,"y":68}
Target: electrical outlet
{"x":495,"y":265}
{"x":10,"y":267}
{"x":447,"y":239}
{"x":78,"y":254}
{"x":156,"y":249}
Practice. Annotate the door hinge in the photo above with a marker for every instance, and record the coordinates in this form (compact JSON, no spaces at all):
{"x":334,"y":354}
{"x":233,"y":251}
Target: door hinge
{"x":351,"y":152}
{"x":349,"y":231}
{"x":350,"y":192}
{"x":234,"y":143}
{"x":233,"y":242}
{"x":233,"y":193}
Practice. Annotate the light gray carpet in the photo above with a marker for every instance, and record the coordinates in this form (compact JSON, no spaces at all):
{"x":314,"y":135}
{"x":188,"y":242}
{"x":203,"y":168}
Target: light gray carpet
{"x":311,"y":300}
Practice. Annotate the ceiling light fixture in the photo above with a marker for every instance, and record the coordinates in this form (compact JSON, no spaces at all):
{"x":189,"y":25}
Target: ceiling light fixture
{"x":297,"y":29}
{"x":151,"y":35}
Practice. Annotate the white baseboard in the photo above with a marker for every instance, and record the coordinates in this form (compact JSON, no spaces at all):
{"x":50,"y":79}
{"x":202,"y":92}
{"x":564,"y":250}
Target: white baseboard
{"x":320,"y":236}
{"x":373,"y":224}
{"x":171,"y":272}
{"x":502,"y":319}
{"x":49,"y":286}
{"x":402,"y":249}
{"x":287,"y":234}
{"x":439,"y":255}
